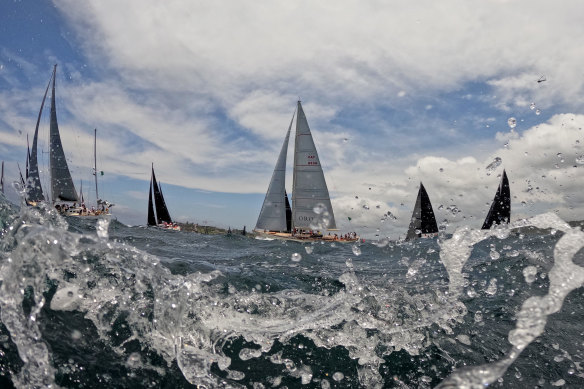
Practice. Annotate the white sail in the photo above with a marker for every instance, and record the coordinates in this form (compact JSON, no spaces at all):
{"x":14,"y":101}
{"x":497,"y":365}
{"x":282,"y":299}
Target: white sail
{"x":309,"y":190}
{"x":273,"y":214}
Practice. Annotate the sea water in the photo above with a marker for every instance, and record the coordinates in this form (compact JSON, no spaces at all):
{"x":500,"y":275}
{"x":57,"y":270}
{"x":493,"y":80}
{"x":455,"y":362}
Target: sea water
{"x":101,"y":304}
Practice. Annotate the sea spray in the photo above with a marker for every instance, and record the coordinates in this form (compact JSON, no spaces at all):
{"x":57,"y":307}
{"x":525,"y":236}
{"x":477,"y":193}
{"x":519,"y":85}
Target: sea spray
{"x":153,"y":316}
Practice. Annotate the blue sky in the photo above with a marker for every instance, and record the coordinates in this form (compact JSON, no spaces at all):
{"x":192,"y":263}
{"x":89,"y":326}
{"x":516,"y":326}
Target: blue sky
{"x":393,"y":93}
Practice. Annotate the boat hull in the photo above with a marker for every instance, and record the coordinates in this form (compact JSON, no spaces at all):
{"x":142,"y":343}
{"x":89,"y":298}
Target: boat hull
{"x":302,"y":237}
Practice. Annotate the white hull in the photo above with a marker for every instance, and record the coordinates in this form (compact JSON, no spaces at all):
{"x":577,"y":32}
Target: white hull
{"x":260,"y":235}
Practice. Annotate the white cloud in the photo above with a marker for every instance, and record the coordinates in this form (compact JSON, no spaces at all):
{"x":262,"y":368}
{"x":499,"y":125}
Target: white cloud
{"x":205,"y":90}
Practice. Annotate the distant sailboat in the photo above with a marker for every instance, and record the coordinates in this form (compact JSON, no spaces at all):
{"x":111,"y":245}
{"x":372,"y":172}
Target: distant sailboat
{"x":158,"y":215}
{"x":309,"y":192}
{"x":2,"y":179}
{"x":500,"y":211}
{"x":423,"y":222}
{"x":63,"y":191}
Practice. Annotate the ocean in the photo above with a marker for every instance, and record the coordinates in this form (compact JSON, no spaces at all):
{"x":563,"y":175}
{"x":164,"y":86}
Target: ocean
{"x":101,"y":304}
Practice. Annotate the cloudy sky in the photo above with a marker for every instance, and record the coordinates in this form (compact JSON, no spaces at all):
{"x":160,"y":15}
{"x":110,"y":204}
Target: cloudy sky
{"x":395,"y":93}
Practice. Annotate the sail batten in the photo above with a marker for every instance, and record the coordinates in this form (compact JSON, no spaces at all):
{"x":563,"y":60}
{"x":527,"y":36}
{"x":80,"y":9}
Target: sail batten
{"x":62,"y":187}
{"x":500,"y":211}
{"x":309,"y":189}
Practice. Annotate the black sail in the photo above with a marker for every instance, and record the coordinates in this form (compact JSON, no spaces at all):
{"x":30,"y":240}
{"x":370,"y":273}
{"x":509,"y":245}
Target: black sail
{"x":423,"y":220}
{"x":61,"y":182}
{"x":151,"y":216}
{"x":34,"y":191}
{"x":500,"y":211}
{"x":162,"y":213}
{"x":288,"y":213}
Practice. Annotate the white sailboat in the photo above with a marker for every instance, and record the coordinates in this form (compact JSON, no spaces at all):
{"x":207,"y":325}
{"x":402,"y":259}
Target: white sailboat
{"x":63,"y":194}
{"x":311,"y":215}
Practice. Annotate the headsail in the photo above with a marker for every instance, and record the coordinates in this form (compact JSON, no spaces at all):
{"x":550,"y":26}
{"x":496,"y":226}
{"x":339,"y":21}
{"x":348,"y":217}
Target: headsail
{"x":34,"y":190}
{"x":500,"y":211}
{"x":423,"y":220}
{"x":273,"y":214}
{"x":151,"y":216}
{"x":309,"y":189}
{"x":162,"y":214}
{"x":62,"y":187}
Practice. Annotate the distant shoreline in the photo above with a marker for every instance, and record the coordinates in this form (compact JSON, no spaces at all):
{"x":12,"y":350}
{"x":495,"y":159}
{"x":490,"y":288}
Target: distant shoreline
{"x":209,"y":230}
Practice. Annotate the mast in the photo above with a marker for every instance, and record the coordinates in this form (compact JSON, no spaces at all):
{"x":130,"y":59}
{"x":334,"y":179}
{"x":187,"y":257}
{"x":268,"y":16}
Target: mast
{"x":95,"y":162}
{"x":62,"y":187}
{"x":500,"y":211}
{"x":2,"y":179}
{"x":309,"y":189}
{"x":273,"y":215}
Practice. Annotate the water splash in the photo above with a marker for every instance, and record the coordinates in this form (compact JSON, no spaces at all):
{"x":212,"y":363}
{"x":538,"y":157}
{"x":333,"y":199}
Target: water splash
{"x":189,"y":318}
{"x":493,"y":165}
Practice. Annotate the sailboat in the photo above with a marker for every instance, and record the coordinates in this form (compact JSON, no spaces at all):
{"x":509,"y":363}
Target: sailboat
{"x":2,"y":179}
{"x":423,"y":222}
{"x":63,"y":194}
{"x":500,"y":211}
{"x":161,"y":217}
{"x":311,"y":211}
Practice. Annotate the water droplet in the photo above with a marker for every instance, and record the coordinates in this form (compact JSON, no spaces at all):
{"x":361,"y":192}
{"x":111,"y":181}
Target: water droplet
{"x":512,"y":122}
{"x":102,"y":228}
{"x":308,"y":249}
{"x":356,"y":250}
{"x":75,"y":335}
{"x":537,"y":111}
{"x":492,"y":288}
{"x":494,"y":254}
{"x":478,"y":317}
{"x":532,"y":106}
{"x":580,"y":159}
{"x":493,"y":165}
{"x":134,"y":360}
{"x":441,"y":170}
{"x":319,"y":208}
{"x":338,"y":376}
{"x":530,"y":273}
{"x":366,"y":207}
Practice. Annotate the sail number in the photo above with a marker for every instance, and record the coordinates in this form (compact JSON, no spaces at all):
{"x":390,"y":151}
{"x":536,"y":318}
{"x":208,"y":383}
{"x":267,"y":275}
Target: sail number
{"x":312,"y":160}
{"x":306,"y":218}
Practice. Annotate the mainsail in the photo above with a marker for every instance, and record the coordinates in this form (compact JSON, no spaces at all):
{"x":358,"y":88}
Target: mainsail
{"x":423,"y":220}
{"x":273,"y":216}
{"x":500,"y":211}
{"x":158,"y":203}
{"x":309,"y":190}
{"x":34,"y":191}
{"x":62,"y":187}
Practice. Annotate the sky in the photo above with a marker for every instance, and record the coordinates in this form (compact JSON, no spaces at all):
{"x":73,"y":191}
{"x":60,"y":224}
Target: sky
{"x":395,"y":93}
